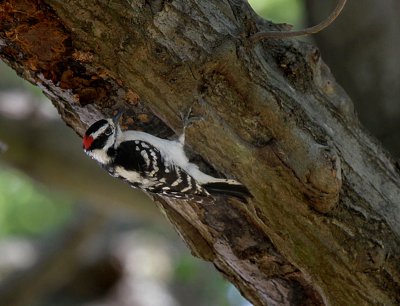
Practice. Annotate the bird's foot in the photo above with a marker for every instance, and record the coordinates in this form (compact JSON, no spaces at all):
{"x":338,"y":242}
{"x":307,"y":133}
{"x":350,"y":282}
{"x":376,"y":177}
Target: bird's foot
{"x":187,"y":120}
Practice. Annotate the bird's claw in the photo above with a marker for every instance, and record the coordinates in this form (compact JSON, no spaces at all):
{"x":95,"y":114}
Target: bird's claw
{"x":187,"y":120}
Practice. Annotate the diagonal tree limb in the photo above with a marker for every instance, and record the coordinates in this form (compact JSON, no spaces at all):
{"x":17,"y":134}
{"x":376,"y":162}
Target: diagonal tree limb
{"x":325,"y":219}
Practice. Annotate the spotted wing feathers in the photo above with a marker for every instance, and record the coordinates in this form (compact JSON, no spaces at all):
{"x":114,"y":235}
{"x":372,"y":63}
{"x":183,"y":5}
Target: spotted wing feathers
{"x":153,"y":172}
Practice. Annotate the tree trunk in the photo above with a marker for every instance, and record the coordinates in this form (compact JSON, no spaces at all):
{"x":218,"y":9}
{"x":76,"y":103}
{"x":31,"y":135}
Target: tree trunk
{"x":324,"y":225}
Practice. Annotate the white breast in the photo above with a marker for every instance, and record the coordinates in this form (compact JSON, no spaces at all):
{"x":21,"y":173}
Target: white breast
{"x":99,"y":155}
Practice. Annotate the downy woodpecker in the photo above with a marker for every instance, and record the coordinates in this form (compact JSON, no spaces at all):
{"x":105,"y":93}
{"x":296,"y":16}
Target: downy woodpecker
{"x":153,"y":164}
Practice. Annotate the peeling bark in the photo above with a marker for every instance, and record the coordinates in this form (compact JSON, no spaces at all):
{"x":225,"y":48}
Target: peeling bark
{"x":324,"y":225}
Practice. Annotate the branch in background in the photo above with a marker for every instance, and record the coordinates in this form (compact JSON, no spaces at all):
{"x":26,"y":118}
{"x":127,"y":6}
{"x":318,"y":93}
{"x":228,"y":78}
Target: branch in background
{"x":3,"y":147}
{"x":307,"y":31}
{"x":58,"y":262}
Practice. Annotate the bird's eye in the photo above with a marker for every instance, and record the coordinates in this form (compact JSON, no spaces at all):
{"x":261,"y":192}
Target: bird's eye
{"x":108,"y":131}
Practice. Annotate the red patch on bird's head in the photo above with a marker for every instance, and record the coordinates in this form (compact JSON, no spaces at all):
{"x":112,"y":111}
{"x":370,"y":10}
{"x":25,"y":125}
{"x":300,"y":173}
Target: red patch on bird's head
{"x":87,"y":142}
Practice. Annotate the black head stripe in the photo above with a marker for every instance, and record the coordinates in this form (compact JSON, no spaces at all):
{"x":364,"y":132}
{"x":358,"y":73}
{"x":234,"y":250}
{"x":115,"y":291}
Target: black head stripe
{"x":99,"y":142}
{"x":96,"y":126}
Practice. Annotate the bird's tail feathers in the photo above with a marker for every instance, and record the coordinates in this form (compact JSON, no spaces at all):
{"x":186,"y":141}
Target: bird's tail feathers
{"x":228,"y":188}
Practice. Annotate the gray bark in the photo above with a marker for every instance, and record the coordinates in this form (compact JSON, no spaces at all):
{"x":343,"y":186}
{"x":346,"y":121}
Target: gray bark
{"x":324,"y":225}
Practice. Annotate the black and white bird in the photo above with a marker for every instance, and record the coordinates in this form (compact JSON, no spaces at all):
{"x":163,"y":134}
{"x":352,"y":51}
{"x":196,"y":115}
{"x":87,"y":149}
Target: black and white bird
{"x":153,"y":164}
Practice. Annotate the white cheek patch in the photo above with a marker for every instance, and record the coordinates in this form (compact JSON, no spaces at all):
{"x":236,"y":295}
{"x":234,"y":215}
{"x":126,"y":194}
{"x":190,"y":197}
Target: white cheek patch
{"x":99,"y":131}
{"x":103,"y":128}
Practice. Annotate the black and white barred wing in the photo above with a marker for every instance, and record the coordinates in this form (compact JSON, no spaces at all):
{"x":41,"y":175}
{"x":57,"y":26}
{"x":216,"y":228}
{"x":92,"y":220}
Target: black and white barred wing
{"x":147,"y":169}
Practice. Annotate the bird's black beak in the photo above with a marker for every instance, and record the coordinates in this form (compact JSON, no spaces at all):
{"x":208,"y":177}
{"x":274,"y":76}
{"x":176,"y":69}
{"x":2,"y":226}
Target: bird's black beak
{"x":118,"y":116}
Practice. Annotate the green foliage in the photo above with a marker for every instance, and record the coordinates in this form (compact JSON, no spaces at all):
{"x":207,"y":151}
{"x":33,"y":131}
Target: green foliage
{"x":28,"y":209}
{"x":11,"y":81}
{"x":280,"y":11}
{"x":186,"y":269}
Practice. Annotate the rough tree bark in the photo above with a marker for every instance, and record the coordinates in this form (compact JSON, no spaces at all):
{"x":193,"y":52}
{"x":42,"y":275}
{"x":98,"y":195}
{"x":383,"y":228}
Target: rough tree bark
{"x":324,"y":225}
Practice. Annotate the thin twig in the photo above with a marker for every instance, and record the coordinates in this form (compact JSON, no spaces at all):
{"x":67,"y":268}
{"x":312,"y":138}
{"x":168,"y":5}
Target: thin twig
{"x":307,"y":31}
